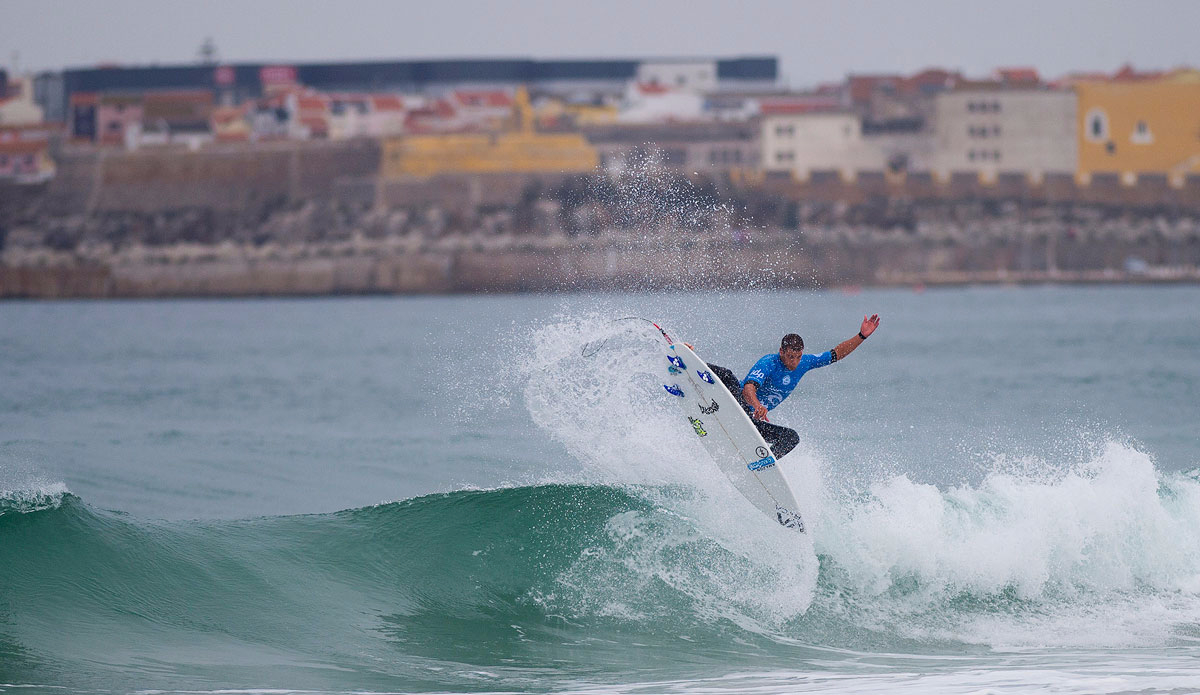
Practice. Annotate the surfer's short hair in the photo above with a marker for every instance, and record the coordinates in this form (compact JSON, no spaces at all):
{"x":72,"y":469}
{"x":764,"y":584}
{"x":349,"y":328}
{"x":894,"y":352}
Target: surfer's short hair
{"x":791,"y":341}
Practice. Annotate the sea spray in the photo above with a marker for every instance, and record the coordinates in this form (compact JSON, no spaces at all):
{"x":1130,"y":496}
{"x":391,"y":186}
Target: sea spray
{"x":708,"y":543}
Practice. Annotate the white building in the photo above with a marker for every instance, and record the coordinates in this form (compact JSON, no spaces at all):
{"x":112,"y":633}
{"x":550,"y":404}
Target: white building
{"x":653,"y":103}
{"x":991,"y":128}
{"x":814,"y":141}
{"x":17,"y":107}
{"x":689,"y":75}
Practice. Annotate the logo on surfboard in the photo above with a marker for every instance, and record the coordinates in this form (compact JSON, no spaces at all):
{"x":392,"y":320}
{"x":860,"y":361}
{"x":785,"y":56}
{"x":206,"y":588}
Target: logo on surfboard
{"x":676,"y":362}
{"x":710,"y":409}
{"x":764,"y":462}
{"x":698,"y":425}
{"x":762,"y":452}
{"x":705,"y":375}
{"x":674,"y":390}
{"x":789,"y":519}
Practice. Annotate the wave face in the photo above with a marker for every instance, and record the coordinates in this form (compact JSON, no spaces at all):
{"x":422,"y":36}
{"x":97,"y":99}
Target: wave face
{"x":443,"y":590}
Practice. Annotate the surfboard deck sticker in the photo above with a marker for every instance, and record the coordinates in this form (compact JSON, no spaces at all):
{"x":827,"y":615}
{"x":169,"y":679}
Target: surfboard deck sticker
{"x":725,"y":430}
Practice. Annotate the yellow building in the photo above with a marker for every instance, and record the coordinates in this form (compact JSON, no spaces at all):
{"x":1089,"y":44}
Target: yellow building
{"x":521,"y":150}
{"x":1140,"y":127}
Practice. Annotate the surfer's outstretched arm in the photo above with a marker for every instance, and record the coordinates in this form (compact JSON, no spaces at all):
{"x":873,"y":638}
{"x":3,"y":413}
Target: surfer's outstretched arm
{"x":869,"y":324}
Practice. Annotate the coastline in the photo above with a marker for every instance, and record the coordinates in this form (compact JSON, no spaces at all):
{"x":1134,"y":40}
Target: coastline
{"x":471,"y":265}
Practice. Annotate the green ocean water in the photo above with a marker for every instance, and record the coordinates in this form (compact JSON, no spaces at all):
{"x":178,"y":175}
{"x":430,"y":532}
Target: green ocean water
{"x":493,"y":494}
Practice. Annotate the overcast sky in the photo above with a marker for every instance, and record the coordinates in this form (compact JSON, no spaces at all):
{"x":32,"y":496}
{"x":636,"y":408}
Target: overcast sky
{"x":815,"y":41}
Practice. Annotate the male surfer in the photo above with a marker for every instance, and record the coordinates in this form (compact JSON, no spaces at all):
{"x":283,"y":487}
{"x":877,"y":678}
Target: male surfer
{"x":773,"y":377}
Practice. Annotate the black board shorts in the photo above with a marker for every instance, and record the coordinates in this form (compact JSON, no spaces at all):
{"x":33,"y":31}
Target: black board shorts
{"x":781,"y":439}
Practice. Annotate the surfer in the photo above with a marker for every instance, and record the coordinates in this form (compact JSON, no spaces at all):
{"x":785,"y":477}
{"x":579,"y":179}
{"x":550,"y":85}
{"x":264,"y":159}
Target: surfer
{"x":773,"y":377}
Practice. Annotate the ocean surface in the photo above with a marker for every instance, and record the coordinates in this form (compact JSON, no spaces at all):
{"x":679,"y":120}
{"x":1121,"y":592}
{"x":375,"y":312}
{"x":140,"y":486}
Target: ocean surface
{"x":494,"y":494}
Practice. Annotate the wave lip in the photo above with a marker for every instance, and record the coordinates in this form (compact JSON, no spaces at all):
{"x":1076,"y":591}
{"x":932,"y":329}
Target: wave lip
{"x":37,"y":498}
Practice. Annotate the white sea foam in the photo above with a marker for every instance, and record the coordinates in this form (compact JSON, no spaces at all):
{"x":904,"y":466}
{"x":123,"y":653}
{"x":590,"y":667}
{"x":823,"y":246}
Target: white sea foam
{"x":595,"y":385}
{"x":1102,"y":552}
{"x":1105,"y":553}
{"x":31,"y":496}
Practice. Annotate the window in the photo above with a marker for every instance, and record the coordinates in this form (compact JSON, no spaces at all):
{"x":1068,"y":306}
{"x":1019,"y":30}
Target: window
{"x":785,"y":130}
{"x":1141,"y":134}
{"x":971,"y":106}
{"x":995,"y":155}
{"x":995,"y":107}
{"x":971,"y":156}
{"x":995,"y":131}
{"x":1096,"y":125}
{"x":784,"y":157}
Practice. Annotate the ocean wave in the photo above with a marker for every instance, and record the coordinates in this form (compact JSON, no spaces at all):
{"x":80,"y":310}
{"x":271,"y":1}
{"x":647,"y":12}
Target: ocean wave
{"x":32,"y":497}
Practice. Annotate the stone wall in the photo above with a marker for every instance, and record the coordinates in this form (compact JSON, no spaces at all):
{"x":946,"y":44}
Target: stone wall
{"x":222,"y":178}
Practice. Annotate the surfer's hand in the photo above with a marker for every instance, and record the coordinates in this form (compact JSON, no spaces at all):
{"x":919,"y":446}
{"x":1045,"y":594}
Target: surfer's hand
{"x":760,"y":412}
{"x":869,"y":324}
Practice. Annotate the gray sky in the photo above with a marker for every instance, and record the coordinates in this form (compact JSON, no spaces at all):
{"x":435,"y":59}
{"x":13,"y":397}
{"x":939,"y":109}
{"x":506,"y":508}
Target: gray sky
{"x":815,"y":41}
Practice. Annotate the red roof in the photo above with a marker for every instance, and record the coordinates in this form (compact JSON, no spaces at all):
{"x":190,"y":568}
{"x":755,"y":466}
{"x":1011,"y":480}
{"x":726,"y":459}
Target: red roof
{"x":1018,"y":75}
{"x":312,"y":103}
{"x":494,"y":98}
{"x":1128,"y":73}
{"x":387,"y":102}
{"x":652,"y":88}
{"x":438,"y":109}
{"x":934,"y":77}
{"x":315,"y":124}
{"x":23,"y":147}
{"x":862,"y":86}
{"x":196,"y":96}
{"x":783,"y":106}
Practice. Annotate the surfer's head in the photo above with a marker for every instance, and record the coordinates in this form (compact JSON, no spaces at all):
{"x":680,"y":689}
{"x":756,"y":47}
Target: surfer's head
{"x":791,"y":349}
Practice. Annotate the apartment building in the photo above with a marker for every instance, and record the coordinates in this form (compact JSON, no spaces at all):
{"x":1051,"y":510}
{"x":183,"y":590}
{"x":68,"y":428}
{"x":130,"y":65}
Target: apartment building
{"x":1140,"y":126}
{"x":991,"y":127}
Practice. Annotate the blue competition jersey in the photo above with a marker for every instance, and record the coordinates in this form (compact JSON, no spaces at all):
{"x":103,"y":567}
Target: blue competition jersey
{"x":775,"y":382}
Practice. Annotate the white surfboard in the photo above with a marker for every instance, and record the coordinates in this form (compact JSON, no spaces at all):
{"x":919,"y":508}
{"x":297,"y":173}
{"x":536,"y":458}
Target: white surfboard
{"x":727,"y":433}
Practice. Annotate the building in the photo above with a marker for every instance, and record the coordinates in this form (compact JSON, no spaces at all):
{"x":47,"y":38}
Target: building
{"x":25,"y":153}
{"x":883,"y":100}
{"x":235,"y":84}
{"x":17,"y":105}
{"x":986,"y":128}
{"x":1131,"y":127}
{"x":651,"y":102}
{"x":687,"y":147}
{"x":801,"y":143}
{"x":117,"y":116}
{"x":691,"y":75}
{"x":521,"y":150}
